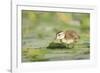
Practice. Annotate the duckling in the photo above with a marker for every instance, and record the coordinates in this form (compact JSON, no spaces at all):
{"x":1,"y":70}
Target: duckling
{"x":68,"y":37}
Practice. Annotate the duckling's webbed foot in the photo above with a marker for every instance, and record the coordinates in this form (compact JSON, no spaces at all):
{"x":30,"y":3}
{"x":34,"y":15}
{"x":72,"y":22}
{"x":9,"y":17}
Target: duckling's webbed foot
{"x":70,"y":46}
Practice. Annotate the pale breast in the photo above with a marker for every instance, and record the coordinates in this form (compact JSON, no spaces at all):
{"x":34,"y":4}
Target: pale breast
{"x":68,"y":41}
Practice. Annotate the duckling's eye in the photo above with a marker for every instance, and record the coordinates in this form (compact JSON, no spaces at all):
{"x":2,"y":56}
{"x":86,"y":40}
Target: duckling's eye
{"x":58,"y":34}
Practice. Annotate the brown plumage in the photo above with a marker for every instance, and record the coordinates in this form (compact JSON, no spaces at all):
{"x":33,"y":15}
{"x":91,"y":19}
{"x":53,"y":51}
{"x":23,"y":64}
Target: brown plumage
{"x":68,"y":36}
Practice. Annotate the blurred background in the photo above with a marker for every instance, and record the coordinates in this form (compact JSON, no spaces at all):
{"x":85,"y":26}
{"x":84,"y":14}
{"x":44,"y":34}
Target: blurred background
{"x":40,"y":28}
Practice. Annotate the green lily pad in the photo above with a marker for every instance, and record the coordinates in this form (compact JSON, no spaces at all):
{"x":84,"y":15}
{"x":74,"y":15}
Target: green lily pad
{"x":56,"y":45}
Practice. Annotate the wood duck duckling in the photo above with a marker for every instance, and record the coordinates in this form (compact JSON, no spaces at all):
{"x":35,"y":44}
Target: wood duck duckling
{"x":68,"y":37}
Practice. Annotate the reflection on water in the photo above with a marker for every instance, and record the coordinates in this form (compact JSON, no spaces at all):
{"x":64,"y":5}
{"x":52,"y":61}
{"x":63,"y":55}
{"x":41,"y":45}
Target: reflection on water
{"x":35,"y":43}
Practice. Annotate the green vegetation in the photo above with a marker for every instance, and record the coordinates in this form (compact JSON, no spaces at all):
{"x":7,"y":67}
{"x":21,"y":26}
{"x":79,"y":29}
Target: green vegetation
{"x":45,"y":54}
{"x":56,"y":45}
{"x":34,"y":54}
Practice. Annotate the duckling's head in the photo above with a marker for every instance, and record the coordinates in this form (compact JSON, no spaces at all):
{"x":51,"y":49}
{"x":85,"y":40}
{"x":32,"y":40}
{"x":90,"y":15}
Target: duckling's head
{"x":60,"y":35}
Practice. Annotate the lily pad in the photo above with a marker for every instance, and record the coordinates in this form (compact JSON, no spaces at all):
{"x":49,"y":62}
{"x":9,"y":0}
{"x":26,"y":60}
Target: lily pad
{"x":53,"y":45}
